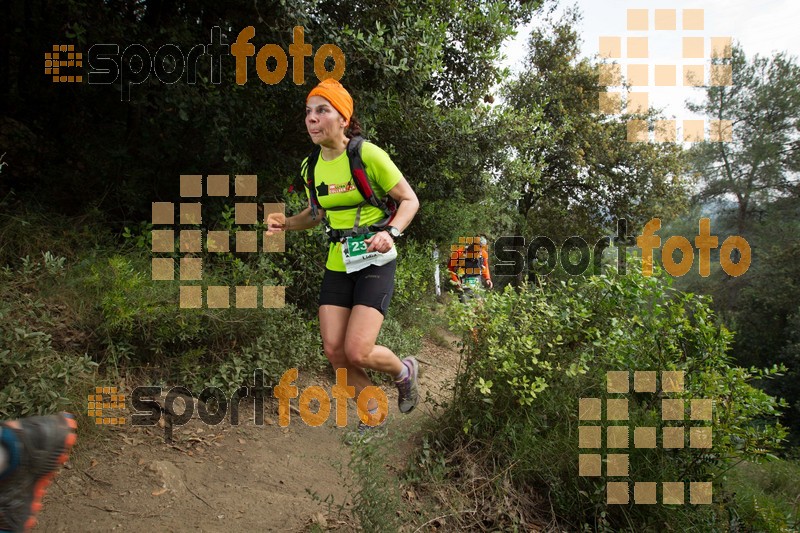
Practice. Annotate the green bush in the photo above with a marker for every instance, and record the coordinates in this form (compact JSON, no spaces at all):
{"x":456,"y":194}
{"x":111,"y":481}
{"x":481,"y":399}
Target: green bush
{"x":287,"y":340}
{"x":404,"y":341}
{"x":377,"y":495}
{"x":34,"y":378}
{"x":530,"y":354}
{"x":299,"y":269}
{"x":28,"y":233}
{"x":142,"y":325}
{"x":414,"y":291}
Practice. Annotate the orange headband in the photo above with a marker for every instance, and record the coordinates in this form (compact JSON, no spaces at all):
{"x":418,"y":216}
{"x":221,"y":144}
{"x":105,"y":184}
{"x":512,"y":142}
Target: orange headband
{"x":336,"y":94}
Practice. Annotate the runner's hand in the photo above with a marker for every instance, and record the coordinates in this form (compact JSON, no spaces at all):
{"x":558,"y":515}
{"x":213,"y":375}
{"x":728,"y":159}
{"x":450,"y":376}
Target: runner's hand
{"x":489,"y":283}
{"x":380,"y":242}
{"x":276,"y":222}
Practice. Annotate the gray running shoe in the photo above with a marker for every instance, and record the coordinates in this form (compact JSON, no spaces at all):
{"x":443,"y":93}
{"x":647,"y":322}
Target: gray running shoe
{"x":407,"y":388}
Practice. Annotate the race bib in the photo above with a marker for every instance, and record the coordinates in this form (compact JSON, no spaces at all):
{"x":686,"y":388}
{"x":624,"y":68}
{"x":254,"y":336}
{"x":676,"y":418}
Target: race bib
{"x":356,"y":257}
{"x":473,"y":282}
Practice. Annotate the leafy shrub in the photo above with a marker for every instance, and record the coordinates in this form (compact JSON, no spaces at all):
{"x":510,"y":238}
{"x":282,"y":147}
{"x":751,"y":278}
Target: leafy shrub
{"x":414,"y":283}
{"x":376,"y":495}
{"x":299,"y":268}
{"x":402,"y":340}
{"x":287,"y":340}
{"x":530,"y":354}
{"x":139,"y":319}
{"x":789,"y":386}
{"x":34,"y":378}
{"x":27,"y":233}
{"x":142,"y":325}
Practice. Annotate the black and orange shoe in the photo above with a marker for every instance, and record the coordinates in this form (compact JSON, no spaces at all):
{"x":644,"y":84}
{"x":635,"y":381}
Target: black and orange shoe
{"x":37,"y":447}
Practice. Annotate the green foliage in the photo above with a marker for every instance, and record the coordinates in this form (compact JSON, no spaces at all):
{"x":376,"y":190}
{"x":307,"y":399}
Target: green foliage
{"x":404,"y":341}
{"x":765,"y":313}
{"x":108,"y":305}
{"x":459,"y":215}
{"x":417,"y":71}
{"x":789,"y":387}
{"x":287,"y":340}
{"x":375,"y":491}
{"x":752,"y":182}
{"x":570,"y":168}
{"x":141,"y":324}
{"x":414,"y":284}
{"x":140,"y":320}
{"x":301,"y":267}
{"x":34,"y":377}
{"x":530,"y":354}
{"x":375,"y":496}
{"x":760,"y":305}
{"x":761,"y":161}
{"x":27,"y":232}
{"x":767,"y":495}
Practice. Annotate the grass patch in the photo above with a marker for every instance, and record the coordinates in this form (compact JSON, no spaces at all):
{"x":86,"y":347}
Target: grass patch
{"x":767,"y":494}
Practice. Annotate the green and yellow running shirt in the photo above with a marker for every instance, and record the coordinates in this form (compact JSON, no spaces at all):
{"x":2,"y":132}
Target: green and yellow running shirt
{"x":335,"y":188}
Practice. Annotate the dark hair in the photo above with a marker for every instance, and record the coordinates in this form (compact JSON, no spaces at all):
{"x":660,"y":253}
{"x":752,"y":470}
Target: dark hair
{"x":354,"y":128}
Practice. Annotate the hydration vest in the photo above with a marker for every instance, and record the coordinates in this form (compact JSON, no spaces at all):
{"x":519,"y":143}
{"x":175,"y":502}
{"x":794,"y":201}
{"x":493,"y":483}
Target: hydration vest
{"x":361,"y":181}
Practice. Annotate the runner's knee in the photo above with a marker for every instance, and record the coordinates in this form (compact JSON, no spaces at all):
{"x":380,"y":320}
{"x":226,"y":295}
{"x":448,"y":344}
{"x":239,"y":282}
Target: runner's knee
{"x":357,"y":353}
{"x":335,"y":353}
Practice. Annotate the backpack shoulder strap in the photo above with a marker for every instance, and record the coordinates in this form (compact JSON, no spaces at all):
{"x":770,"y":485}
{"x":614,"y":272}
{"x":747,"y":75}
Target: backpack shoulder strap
{"x":359,"y":172}
{"x":308,"y":167}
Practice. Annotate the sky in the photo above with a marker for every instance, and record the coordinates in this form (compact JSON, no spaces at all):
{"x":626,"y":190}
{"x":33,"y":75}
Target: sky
{"x":760,"y":26}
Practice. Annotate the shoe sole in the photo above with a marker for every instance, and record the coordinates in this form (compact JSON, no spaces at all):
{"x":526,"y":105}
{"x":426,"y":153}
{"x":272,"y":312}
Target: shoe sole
{"x":42,"y":483}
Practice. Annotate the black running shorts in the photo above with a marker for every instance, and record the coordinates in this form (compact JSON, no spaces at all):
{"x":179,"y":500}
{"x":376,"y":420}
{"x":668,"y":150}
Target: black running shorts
{"x":372,"y":286}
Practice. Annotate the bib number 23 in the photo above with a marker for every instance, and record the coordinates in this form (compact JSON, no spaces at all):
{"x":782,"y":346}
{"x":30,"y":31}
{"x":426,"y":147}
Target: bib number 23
{"x":356,"y":246}
{"x":356,"y":257}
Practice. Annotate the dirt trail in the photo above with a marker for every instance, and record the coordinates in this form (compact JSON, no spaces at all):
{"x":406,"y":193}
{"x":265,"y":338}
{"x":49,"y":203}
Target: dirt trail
{"x":223,"y":478}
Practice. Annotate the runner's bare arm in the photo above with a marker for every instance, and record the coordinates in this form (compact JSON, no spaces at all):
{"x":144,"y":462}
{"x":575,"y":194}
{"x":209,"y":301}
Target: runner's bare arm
{"x":408,"y":204}
{"x":300,"y":221}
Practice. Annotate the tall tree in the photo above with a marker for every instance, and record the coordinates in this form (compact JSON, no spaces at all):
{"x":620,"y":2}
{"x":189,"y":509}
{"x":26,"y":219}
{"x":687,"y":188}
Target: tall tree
{"x":762,"y":159}
{"x":404,"y":65}
{"x":572,"y":169}
{"x":756,"y":171}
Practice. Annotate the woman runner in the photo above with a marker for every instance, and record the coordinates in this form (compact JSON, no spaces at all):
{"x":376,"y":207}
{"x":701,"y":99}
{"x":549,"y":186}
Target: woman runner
{"x":352,"y":305}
